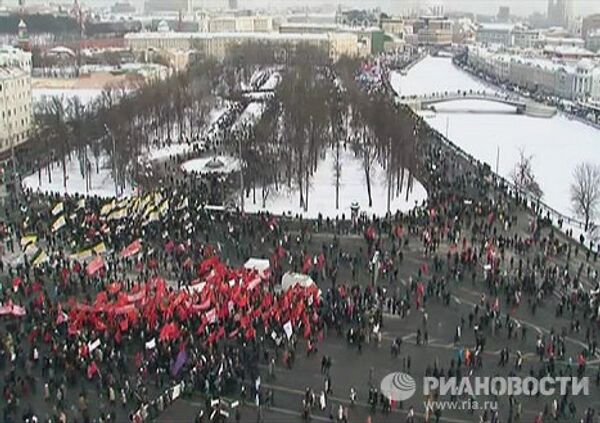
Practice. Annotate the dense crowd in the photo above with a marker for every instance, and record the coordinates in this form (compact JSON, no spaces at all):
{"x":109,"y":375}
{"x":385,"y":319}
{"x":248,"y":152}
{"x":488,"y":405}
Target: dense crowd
{"x":108,"y":304}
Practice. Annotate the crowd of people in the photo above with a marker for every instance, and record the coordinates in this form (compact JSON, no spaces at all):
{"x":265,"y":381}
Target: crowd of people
{"x":108,"y":304}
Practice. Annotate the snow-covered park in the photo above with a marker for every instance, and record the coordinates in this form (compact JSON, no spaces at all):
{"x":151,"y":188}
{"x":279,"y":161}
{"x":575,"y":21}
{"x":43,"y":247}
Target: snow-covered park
{"x":102,"y":182}
{"x":557,"y":144}
{"x":352,"y":189}
{"x":86,"y":95}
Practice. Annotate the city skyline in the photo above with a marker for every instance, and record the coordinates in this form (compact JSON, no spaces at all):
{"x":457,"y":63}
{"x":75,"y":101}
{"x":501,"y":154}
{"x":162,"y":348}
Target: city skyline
{"x":490,"y":7}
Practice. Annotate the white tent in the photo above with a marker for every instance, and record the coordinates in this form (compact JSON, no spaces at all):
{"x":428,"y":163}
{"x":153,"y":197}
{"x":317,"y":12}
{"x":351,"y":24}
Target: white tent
{"x":289,"y":280}
{"x":262,"y":266}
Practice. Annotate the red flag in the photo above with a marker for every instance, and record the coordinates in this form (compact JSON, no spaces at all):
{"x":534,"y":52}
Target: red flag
{"x":250,"y":333}
{"x":16,"y":283}
{"x":307,"y":264}
{"x":169,"y":246}
{"x":62,"y":317}
{"x":95,"y":265}
{"x":133,"y":298}
{"x":114,"y":287}
{"x":321,"y":261}
{"x":92,"y":370}
{"x":132,"y":249}
{"x":18,"y":311}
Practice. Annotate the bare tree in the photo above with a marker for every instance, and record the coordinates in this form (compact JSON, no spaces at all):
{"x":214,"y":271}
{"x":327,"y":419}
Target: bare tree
{"x":523,"y":177}
{"x":585,"y":191}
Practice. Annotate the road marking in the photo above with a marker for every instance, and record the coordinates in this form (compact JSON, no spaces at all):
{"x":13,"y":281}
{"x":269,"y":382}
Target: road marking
{"x":279,"y":410}
{"x":359,"y":403}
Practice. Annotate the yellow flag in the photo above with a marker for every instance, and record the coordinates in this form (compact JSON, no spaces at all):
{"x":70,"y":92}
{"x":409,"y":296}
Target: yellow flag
{"x":41,"y":258}
{"x":107,"y":208}
{"x":58,"y":209}
{"x":59,"y":223}
{"x":28,"y":239}
{"x":82,"y":255}
{"x":100,"y":248}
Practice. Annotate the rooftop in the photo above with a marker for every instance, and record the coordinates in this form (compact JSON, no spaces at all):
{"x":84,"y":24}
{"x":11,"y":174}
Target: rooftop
{"x":569,"y":51}
{"x":496,"y":26}
{"x":225,"y":35}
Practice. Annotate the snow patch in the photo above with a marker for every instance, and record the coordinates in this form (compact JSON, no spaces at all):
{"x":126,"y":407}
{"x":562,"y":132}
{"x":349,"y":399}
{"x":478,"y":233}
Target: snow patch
{"x":352,"y":189}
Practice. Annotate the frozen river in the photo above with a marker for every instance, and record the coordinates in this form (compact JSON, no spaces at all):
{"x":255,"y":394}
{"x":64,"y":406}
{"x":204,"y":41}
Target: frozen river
{"x":481,"y":128}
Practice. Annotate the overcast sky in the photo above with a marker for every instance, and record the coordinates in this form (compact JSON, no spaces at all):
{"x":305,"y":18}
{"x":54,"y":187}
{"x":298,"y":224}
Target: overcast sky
{"x":521,"y":7}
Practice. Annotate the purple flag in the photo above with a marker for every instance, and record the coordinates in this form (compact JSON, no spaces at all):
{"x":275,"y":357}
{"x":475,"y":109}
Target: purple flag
{"x":179,"y":362}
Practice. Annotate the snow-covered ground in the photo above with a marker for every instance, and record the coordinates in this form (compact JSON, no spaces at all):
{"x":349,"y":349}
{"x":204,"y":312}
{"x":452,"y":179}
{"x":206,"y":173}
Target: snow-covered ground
{"x":178,"y":149}
{"x":352,"y":189}
{"x":435,"y":74}
{"x":557,"y":144}
{"x":86,"y":95}
{"x":102,"y":182}
{"x":249,"y":116}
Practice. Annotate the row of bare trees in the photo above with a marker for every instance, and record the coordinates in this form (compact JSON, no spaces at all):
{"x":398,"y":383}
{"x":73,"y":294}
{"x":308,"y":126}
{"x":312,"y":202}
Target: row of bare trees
{"x":380,"y":133}
{"x":124,"y":122}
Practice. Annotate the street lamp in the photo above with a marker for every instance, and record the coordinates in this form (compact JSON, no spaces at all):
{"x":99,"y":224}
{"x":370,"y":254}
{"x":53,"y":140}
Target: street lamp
{"x":114,"y":158}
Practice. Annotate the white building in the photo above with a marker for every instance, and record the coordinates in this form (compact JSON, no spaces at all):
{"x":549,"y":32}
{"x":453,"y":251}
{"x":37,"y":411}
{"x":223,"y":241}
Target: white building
{"x":595,"y":94}
{"x":525,"y":38}
{"x":570,"y":80}
{"x":217,"y":45}
{"x":495,"y":34}
{"x":15,"y":107}
{"x":16,"y":58}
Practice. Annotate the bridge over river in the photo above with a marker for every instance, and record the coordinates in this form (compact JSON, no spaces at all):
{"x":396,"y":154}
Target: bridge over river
{"x":522,"y":106}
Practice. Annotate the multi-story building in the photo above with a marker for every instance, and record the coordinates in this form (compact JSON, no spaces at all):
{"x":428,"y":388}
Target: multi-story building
{"x":592,"y":42}
{"x":394,"y":26}
{"x":15,"y":107}
{"x":589,"y":25}
{"x":570,"y":80}
{"x":595,"y":94}
{"x":560,"y":12}
{"x":495,"y":34}
{"x":503,"y":14}
{"x":218,"y":45}
{"x":153,"y":6}
{"x":307,"y":28}
{"x":15,"y":97}
{"x":15,"y":57}
{"x":525,"y":38}
{"x":240,"y":24}
{"x":360,"y":18}
{"x":433,"y":30}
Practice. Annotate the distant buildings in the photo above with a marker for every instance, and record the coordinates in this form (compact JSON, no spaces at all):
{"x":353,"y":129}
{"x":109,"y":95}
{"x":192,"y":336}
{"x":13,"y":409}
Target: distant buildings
{"x":153,"y":6}
{"x":571,"y":80}
{"x":15,"y":97}
{"x":218,"y":44}
{"x":503,"y":14}
{"x":122,"y":8}
{"x":495,"y":33}
{"x":590,"y":26}
{"x":560,"y":12}
{"x":525,"y":38}
{"x":239,"y":24}
{"x":593,"y":41}
{"x":431,"y":31}
{"x":358,"y":18}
